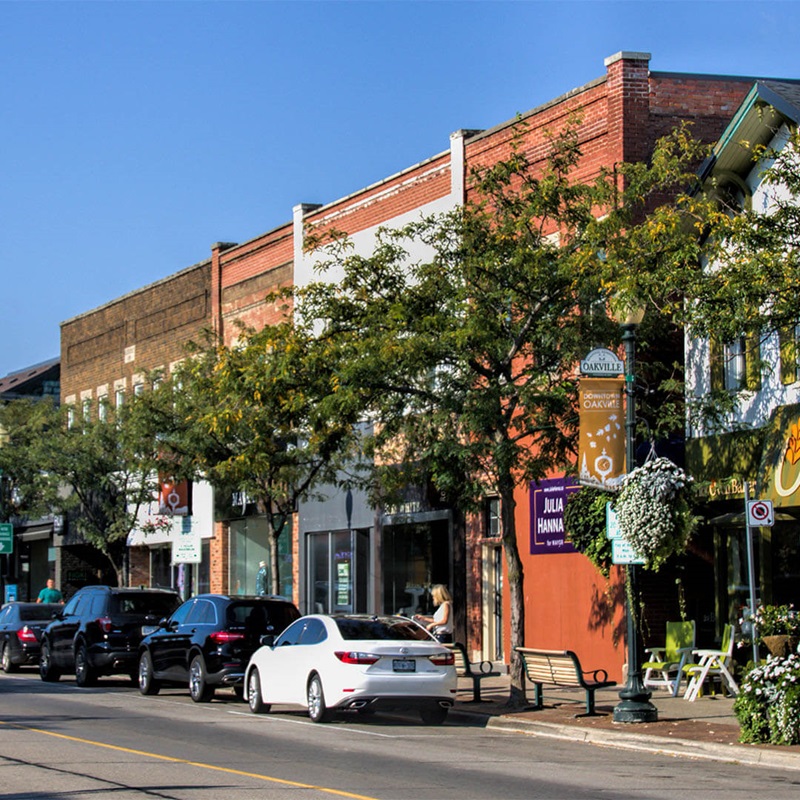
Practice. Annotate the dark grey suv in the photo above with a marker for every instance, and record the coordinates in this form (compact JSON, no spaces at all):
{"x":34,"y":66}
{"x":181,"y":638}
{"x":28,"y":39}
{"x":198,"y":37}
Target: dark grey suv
{"x":98,"y":632}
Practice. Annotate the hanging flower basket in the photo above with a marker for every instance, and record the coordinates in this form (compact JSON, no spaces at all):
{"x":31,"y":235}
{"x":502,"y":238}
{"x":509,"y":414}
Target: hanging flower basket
{"x":653,"y":510}
{"x":781,"y":644}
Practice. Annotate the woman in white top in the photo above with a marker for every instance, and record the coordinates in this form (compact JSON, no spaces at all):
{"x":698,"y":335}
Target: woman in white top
{"x":441,"y":623}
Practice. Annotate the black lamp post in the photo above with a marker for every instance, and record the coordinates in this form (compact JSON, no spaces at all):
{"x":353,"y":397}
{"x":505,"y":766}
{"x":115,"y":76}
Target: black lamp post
{"x":634,"y":705}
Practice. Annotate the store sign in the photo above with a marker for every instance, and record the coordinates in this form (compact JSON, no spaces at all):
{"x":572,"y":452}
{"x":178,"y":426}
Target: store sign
{"x":174,"y":497}
{"x":548,"y":501}
{"x":187,"y":545}
{"x":779,"y":480}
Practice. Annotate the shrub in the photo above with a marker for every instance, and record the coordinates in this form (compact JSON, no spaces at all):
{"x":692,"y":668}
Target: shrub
{"x":768,"y":703}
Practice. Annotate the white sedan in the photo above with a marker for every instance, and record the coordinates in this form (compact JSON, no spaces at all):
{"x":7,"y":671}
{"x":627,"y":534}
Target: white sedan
{"x":353,"y":662}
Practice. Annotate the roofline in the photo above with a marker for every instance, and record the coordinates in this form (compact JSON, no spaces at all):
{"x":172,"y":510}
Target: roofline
{"x":135,"y":292}
{"x":758,"y":92}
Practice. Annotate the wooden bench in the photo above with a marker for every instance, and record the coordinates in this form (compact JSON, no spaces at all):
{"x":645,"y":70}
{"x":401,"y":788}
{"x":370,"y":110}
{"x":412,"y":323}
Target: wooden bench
{"x":476,"y":672}
{"x":562,"y":668}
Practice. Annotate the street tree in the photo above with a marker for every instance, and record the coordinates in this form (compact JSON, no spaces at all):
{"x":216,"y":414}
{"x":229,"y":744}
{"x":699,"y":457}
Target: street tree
{"x":465,"y":359}
{"x":102,"y":469}
{"x":262,"y":417}
{"x":26,"y":490}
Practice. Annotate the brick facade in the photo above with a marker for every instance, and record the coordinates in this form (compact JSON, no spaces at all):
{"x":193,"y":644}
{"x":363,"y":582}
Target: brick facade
{"x":621,"y":113}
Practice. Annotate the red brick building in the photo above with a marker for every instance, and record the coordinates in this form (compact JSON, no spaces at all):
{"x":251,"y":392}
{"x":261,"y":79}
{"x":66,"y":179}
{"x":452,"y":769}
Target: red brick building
{"x":345,"y":555}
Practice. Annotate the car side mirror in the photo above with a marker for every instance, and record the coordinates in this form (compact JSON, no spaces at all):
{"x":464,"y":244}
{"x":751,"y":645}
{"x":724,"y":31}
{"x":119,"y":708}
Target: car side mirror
{"x":267,"y":640}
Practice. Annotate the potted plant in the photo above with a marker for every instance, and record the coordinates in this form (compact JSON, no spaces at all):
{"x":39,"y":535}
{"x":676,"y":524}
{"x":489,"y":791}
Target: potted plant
{"x":778,"y":627}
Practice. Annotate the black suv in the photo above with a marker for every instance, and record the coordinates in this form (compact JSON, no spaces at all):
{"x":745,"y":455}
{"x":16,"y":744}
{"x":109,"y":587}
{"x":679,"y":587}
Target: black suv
{"x":208,"y":642}
{"x":98,"y":632}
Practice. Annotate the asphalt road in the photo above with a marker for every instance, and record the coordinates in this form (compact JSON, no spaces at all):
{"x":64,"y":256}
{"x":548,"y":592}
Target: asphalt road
{"x":64,"y":743}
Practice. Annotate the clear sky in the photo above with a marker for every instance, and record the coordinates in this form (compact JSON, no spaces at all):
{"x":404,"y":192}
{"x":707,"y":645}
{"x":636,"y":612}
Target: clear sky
{"x":133,"y":135}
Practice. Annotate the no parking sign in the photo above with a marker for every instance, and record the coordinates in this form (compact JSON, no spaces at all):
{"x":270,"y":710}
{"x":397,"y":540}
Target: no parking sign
{"x":760,"y":513}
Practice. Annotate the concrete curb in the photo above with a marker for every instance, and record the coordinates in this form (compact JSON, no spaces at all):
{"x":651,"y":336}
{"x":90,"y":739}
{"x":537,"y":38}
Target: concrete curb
{"x":739,"y":754}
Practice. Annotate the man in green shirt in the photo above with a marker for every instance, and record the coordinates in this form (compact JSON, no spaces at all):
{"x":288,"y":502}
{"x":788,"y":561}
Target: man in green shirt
{"x":50,"y":594}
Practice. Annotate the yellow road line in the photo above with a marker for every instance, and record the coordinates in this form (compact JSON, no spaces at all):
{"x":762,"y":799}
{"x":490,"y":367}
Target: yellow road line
{"x":160,"y":757}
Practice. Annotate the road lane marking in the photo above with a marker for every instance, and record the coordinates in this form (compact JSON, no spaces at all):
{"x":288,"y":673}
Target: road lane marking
{"x":276,"y":720}
{"x":201,"y":765}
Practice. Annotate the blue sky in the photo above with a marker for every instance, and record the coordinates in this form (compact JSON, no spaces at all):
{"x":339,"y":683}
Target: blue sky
{"x":136,"y":134}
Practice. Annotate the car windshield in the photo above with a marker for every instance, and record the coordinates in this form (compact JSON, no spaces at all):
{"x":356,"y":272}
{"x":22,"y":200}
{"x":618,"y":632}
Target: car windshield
{"x":147,"y":603}
{"x":39,"y":611}
{"x":391,"y":628}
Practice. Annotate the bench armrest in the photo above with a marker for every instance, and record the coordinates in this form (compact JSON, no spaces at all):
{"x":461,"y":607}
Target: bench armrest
{"x":596,"y":675}
{"x":655,"y":652}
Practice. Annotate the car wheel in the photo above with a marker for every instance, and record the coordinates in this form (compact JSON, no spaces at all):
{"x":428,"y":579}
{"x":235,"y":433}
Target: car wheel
{"x":435,"y":715}
{"x":84,"y":674}
{"x":47,"y":672}
{"x":254,"y":699}
{"x":147,"y":683}
{"x":317,"y":710}
{"x":5,"y":659}
{"x":199,"y":689}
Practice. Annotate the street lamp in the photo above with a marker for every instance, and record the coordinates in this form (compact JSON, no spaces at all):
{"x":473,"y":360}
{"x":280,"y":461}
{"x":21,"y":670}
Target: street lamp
{"x":634,"y":705}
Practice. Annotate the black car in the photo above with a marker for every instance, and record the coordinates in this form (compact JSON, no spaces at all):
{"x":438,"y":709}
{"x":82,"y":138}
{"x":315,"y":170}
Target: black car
{"x":21,"y":626}
{"x":208,"y":642}
{"x":99,"y":630}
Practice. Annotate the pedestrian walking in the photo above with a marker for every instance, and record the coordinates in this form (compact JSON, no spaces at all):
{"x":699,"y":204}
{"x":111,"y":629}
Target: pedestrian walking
{"x":50,"y":594}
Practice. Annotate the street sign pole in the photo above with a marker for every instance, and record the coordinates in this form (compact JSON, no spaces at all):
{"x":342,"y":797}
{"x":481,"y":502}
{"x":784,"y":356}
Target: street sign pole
{"x":750,"y":568}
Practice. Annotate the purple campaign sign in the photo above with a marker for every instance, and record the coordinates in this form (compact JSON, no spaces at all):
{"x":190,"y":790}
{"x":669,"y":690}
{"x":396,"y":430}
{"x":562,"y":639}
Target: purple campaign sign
{"x":548,"y":500}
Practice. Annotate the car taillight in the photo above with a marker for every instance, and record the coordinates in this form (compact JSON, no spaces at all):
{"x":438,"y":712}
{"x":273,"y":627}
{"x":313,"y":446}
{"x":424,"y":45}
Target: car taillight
{"x":351,"y":657}
{"x":443,"y":659}
{"x":105,"y":624}
{"x":26,"y":635}
{"x":221,"y":637}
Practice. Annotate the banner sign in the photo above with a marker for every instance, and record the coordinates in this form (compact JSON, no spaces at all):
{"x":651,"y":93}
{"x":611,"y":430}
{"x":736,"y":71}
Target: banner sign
{"x":548,"y":501}
{"x":174,"y":497}
{"x":602,"y":433}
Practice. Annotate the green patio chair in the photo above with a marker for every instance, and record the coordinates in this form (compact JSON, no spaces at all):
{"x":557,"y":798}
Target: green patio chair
{"x":667,"y":664}
{"x":712,"y":664}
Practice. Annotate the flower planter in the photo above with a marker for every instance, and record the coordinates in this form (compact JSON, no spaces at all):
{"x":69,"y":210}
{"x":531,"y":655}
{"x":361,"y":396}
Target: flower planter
{"x":780,"y":644}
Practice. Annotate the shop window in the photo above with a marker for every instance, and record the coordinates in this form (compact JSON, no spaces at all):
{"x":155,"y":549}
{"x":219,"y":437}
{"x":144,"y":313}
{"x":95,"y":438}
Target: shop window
{"x":736,"y":364}
{"x":249,"y":546}
{"x":338,"y":569}
{"x":415,"y":556}
{"x":492,"y":525}
{"x":790,"y":354}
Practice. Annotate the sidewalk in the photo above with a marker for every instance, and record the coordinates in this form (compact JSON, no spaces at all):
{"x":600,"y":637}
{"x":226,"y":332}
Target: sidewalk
{"x":705,"y":728}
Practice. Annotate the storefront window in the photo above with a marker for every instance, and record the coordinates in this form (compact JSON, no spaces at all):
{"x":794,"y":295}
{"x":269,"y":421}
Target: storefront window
{"x":249,"y":546}
{"x":338,"y":568}
{"x":415,"y":557}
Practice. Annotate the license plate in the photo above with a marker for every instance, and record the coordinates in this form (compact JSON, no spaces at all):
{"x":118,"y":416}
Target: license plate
{"x":404,"y":665}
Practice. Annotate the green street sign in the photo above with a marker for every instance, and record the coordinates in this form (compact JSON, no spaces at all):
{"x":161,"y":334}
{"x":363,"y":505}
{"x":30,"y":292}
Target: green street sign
{"x":6,"y":538}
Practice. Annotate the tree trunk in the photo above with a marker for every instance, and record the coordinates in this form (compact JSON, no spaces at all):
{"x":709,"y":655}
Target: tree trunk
{"x":459,"y":588}
{"x":516,"y":589}
{"x":274,"y":568}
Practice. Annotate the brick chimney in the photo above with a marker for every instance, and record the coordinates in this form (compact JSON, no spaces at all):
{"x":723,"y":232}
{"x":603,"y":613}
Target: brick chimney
{"x":628,"y":92}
